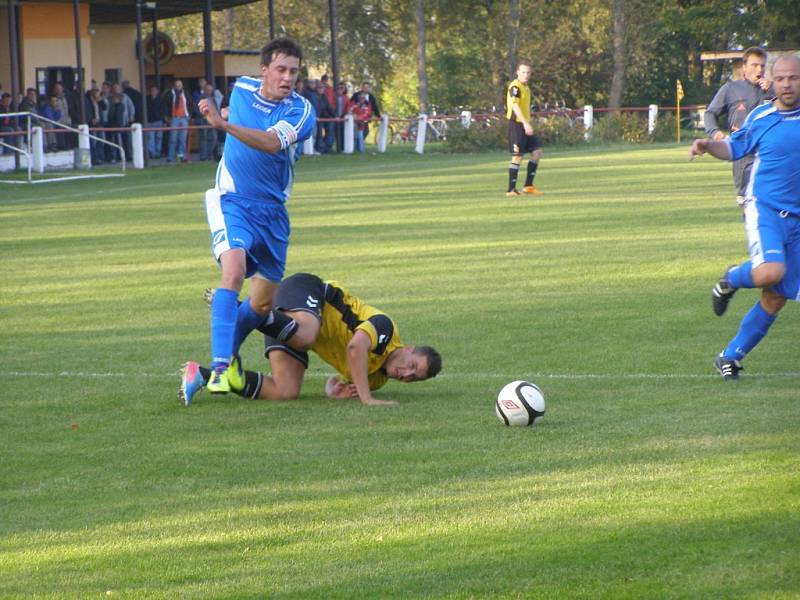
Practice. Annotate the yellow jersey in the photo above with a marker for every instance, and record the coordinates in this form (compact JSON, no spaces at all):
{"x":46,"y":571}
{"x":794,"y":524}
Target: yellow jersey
{"x":342,"y":315}
{"x":519,"y":94}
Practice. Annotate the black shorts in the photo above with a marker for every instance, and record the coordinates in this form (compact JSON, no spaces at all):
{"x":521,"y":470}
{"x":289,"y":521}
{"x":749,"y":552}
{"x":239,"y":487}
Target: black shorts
{"x":518,"y":142}
{"x":301,"y":291}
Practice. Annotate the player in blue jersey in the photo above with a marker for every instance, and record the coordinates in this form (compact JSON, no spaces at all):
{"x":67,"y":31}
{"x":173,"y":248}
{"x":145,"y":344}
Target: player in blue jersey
{"x":772,"y":212}
{"x":246,"y":210}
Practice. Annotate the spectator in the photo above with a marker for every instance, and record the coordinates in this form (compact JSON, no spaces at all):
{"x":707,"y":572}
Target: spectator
{"x":177,"y":110}
{"x":136,"y":100}
{"x":324,"y":111}
{"x":208,"y":135}
{"x":375,"y":110}
{"x":199,"y":92}
{"x":127,"y":119}
{"x":30,"y":103}
{"x":362,"y":113}
{"x":342,"y":108}
{"x":155,"y":119}
{"x":63,"y":109}
{"x":51,"y":111}
{"x":117,"y":115}
{"x":328,"y":90}
{"x":7,"y":124}
{"x":105,"y":106}
{"x":93,"y":101}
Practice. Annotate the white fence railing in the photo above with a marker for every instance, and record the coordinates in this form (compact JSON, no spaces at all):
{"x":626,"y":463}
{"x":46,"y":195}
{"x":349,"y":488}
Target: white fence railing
{"x":418,"y":130}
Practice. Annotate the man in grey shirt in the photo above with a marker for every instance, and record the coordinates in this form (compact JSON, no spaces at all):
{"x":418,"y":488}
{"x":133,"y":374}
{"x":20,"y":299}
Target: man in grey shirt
{"x":736,"y":99}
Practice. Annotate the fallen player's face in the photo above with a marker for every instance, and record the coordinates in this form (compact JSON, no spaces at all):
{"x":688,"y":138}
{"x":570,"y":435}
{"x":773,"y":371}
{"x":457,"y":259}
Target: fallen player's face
{"x":409,"y":366}
{"x":279,"y":77}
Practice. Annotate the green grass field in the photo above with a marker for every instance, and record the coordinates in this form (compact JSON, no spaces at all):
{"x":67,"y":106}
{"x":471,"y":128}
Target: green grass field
{"x":648,"y":478}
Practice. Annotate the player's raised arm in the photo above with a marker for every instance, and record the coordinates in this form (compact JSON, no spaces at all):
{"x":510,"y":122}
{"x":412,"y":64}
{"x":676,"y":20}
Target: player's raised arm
{"x":266,"y":141}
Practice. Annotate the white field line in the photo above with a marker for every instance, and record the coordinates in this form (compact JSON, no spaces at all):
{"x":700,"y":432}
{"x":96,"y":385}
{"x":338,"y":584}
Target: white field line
{"x":470,"y":376}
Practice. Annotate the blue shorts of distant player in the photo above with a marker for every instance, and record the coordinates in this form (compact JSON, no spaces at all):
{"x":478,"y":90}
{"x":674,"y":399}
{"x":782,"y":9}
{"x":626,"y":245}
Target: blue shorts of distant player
{"x":774,"y":236}
{"x":260,"y":227}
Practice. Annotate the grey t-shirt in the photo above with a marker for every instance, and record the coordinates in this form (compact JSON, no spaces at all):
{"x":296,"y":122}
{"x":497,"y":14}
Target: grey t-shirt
{"x":735,"y":99}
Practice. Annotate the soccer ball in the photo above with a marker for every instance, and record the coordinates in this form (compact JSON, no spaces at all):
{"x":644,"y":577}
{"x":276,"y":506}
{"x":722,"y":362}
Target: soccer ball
{"x":519,"y":404}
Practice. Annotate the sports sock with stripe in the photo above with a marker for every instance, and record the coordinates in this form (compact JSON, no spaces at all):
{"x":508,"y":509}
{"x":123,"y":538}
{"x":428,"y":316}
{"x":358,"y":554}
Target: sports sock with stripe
{"x":741,"y":276}
{"x":223,"y":326}
{"x":513,"y":172}
{"x":532,"y":166}
{"x":752,"y":330}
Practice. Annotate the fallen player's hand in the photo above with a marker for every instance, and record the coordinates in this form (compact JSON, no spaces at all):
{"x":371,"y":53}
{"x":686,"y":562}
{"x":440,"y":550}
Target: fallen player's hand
{"x":339,"y":389}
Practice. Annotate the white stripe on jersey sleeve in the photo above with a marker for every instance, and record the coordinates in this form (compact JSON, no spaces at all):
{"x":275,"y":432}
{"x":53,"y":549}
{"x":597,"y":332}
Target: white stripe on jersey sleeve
{"x":288,"y":133}
{"x":248,"y":83}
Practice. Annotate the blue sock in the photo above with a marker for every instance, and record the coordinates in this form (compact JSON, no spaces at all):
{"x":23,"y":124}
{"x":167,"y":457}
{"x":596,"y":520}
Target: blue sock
{"x":223,"y":326}
{"x":246,"y":321}
{"x":741,"y":276}
{"x":754,"y":327}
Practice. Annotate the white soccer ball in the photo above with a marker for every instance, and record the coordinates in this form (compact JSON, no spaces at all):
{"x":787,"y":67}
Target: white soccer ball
{"x":519,"y":404}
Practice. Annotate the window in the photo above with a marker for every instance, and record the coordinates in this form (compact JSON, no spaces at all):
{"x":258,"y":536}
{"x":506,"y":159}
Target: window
{"x":113,"y":75}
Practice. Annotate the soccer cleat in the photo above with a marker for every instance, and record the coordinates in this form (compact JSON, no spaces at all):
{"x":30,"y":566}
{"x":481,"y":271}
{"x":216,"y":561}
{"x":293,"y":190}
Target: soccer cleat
{"x":218,"y":383}
{"x":728,"y":368}
{"x":235,"y":374}
{"x":512,"y":194}
{"x":191,"y":382}
{"x":208,"y":295}
{"x":721,"y":294}
{"x":531,"y":189}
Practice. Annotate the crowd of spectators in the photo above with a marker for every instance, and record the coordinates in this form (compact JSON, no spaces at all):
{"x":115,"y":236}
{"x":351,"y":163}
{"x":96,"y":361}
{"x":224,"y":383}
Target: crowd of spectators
{"x":111,"y":108}
{"x":332,"y":106}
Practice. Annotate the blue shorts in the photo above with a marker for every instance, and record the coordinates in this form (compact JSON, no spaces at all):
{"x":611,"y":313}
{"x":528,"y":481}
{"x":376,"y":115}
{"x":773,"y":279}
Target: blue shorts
{"x":774,"y":236}
{"x":260,"y":228}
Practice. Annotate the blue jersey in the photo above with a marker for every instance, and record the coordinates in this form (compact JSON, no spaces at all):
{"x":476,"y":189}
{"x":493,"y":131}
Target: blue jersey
{"x":252,"y":173}
{"x":773,"y":136}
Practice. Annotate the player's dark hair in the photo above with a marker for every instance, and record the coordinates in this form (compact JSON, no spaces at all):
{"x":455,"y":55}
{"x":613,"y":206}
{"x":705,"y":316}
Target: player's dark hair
{"x":285,"y":46}
{"x":754,"y":51}
{"x":525,"y":62}
{"x":434,"y":359}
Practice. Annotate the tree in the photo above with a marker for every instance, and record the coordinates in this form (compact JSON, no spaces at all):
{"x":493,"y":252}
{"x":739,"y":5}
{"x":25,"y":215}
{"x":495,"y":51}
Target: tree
{"x":422,"y":76}
{"x":620,"y":62}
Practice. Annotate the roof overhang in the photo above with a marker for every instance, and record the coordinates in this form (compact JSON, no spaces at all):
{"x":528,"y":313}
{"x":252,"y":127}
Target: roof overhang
{"x":117,"y":12}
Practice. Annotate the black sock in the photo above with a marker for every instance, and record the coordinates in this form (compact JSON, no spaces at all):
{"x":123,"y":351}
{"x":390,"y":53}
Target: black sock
{"x":252,"y":383}
{"x":513,"y":171}
{"x":531,"y":172}
{"x":280,"y":326}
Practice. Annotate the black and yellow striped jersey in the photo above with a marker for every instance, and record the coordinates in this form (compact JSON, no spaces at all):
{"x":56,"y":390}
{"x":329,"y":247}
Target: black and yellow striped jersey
{"x":520,"y":94}
{"x":342,"y":315}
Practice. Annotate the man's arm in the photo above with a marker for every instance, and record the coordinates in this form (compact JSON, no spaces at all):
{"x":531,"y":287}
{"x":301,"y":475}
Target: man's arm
{"x":716,"y":107}
{"x":357,"y":361}
{"x":717,"y":148}
{"x":525,"y":123}
{"x":266,"y":141}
